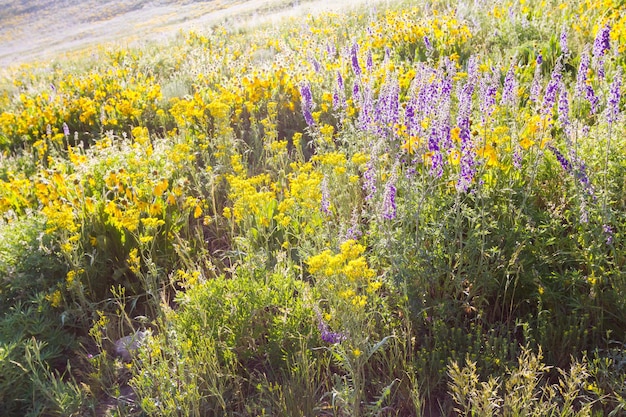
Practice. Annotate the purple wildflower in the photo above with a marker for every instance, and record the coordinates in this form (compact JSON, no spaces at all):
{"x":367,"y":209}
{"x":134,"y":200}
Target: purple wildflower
{"x":366,"y":109}
{"x":564,"y":111}
{"x":608,"y":231}
{"x":306,"y":98}
{"x":326,"y":334}
{"x":316,"y":65}
{"x":488,"y":90}
{"x":552,"y":89}
{"x":614,"y":98}
{"x":339,"y":95}
{"x":331,"y":51}
{"x":591,"y":97}
{"x":387,"y":111}
{"x":325,"y":206}
{"x":354,"y":231}
{"x":563,"y":41}
{"x":369,"y":179}
{"x":436,"y":167}
{"x":429,"y":46}
{"x":581,"y":76}
{"x":389,"y":200}
{"x":354,"y":53}
{"x":567,"y":166}
{"x":517,"y":158}
{"x":467,"y":148}
{"x":601,"y":45}
{"x":369,"y":64}
{"x":535,"y":87}
{"x":66,"y":130}
{"x":509,"y":90}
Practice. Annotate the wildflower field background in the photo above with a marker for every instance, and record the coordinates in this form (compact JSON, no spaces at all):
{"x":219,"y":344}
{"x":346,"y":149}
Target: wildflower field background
{"x":400,"y":209}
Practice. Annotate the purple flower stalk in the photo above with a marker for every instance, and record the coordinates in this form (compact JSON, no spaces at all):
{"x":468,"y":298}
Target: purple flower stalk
{"x":306,"y":98}
{"x":387,"y":111}
{"x":467,"y":148}
{"x":367,"y":108}
{"x":354,"y":54}
{"x":66,"y":130}
{"x":614,"y":98}
{"x":608,"y":231}
{"x":552,"y":89}
{"x":429,"y":46}
{"x":488,"y":90}
{"x":389,"y":202}
{"x":564,"y":112}
{"x":339,"y":95}
{"x":369,"y":64}
{"x":563,"y":41}
{"x":567,"y":166}
{"x":535,"y":88}
{"x":509,"y":90}
{"x":601,"y":45}
{"x":591,"y":97}
{"x":325,"y":205}
{"x":581,"y":76}
{"x":389,"y":198}
{"x":326,"y":334}
{"x":354,"y":231}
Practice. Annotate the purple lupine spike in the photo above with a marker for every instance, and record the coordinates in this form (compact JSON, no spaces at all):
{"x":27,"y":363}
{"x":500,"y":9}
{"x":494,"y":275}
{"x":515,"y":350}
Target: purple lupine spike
{"x":428,"y":45}
{"x":517,"y":158}
{"x":331,"y":50}
{"x":581,"y":76}
{"x":306,"y":100}
{"x":488,"y":90}
{"x":563,"y":108}
{"x":509,"y":90}
{"x":339,"y":96}
{"x":387,"y":111}
{"x":66,"y":130}
{"x":436,"y":167}
{"x":389,"y":200}
{"x":354,"y":231}
{"x":367,"y":109}
{"x":608,"y":231}
{"x":369,"y":64}
{"x":316,"y":65}
{"x":354,"y":54}
{"x":601,"y":45}
{"x":325,"y":205}
{"x":340,"y":81}
{"x":535,"y":87}
{"x":356,"y":92}
{"x":591,"y":97}
{"x":369,"y":180}
{"x":549,"y":97}
{"x":467,"y":148}
{"x":472,"y":70}
{"x":565,"y":164}
{"x":612,"y":110}
{"x":563,"y":41}
{"x":326,"y":334}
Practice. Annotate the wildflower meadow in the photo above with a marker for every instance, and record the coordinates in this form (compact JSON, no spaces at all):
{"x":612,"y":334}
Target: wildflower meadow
{"x":401,"y":209}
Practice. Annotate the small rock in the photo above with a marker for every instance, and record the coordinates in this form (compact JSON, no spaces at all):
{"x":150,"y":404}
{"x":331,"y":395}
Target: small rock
{"x":126,"y":346}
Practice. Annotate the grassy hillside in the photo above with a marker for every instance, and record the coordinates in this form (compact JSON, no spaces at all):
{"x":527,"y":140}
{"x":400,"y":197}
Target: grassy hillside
{"x":400,"y":210}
